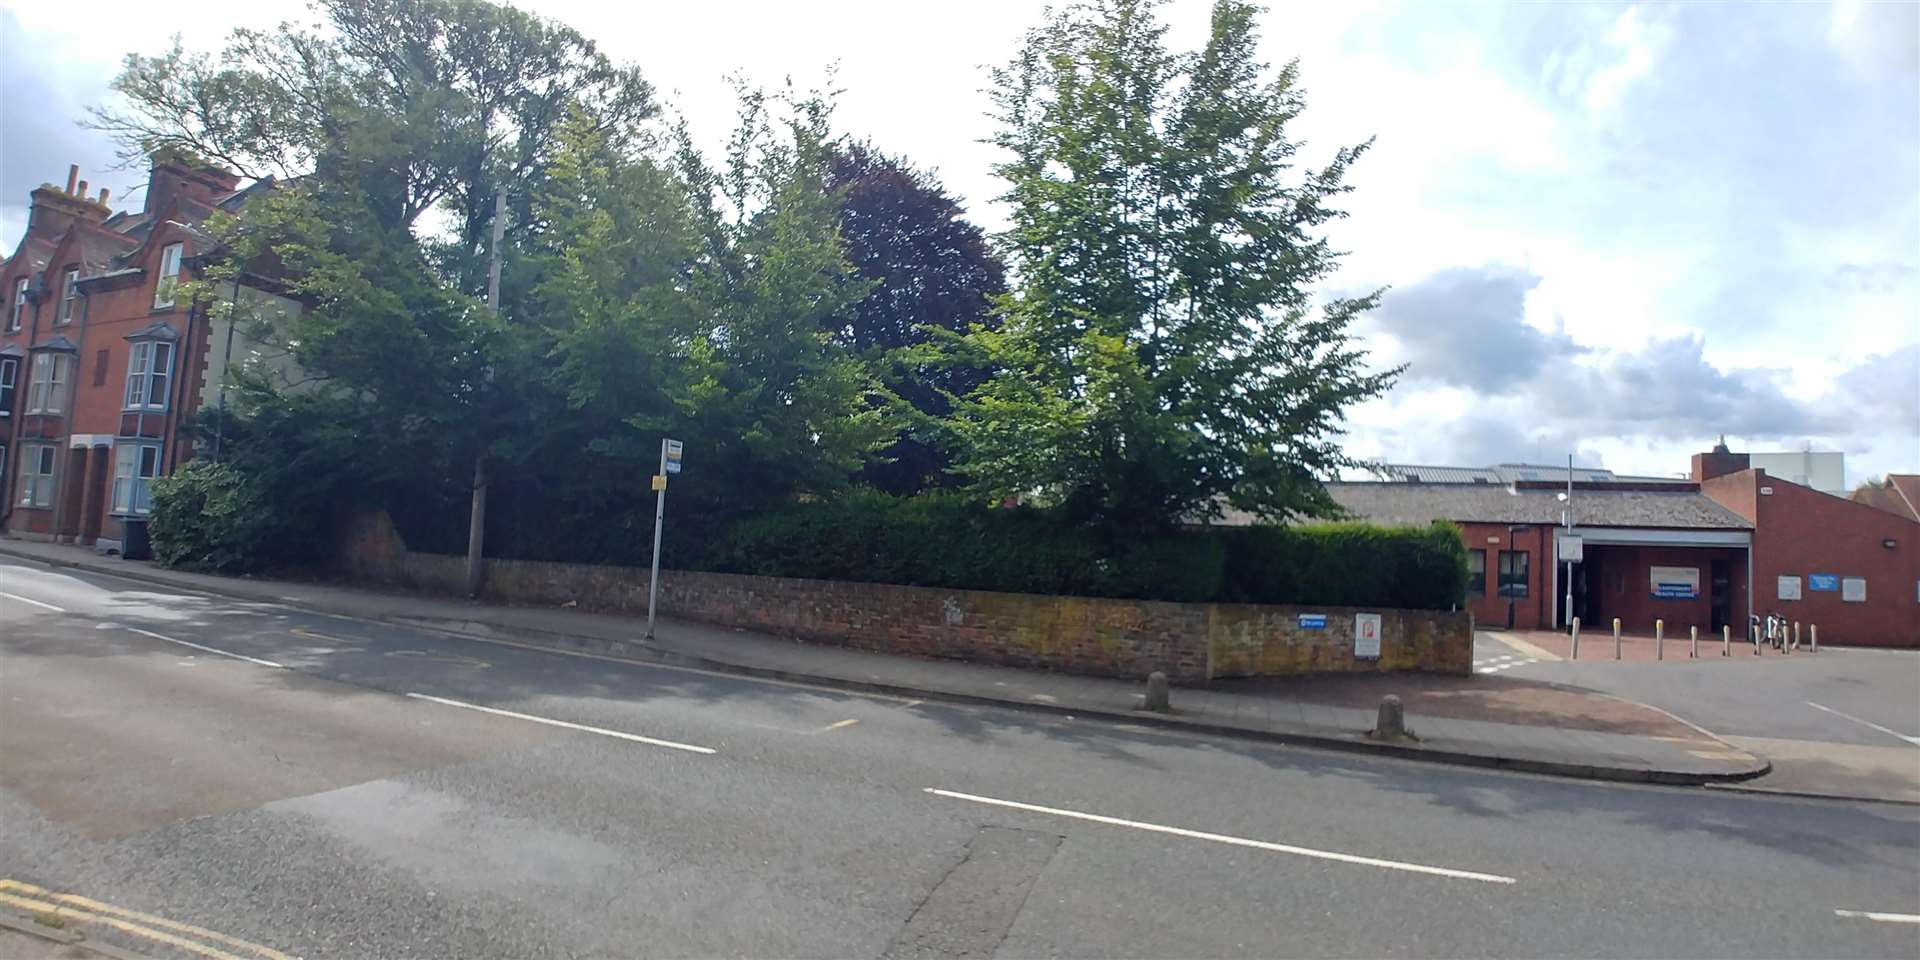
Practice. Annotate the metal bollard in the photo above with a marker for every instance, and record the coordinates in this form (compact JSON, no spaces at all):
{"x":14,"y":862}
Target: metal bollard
{"x":1726,"y":640}
{"x":1576,"y":639}
{"x":1659,"y":639}
{"x":1796,"y":635}
{"x":1616,"y":638}
{"x":1157,"y":700}
{"x":1693,"y":642}
{"x":1813,"y":634}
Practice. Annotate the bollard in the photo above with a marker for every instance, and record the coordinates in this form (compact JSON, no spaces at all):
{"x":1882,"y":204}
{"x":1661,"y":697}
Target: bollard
{"x":1157,"y":692}
{"x":1392,"y":723}
{"x":1813,"y":635}
{"x":1659,"y":639}
{"x":1693,"y":642}
{"x":1796,"y":634}
{"x":1726,"y":640}
{"x":1616,"y":638}
{"x":1576,"y":639}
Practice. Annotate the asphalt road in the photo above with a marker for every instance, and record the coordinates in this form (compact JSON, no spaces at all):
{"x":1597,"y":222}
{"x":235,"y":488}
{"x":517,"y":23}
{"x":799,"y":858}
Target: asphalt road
{"x":256,"y":781}
{"x":1844,"y":720}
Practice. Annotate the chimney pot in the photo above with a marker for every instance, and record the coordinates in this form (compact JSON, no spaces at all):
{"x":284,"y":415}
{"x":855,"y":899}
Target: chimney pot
{"x":73,"y":174}
{"x":82,"y":194}
{"x":103,"y":196}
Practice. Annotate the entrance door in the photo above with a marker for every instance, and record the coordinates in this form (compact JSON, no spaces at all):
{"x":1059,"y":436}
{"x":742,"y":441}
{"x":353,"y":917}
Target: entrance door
{"x":1720,"y":594}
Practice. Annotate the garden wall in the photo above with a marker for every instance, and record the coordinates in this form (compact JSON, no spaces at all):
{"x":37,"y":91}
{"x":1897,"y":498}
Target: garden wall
{"x":1191,"y":642}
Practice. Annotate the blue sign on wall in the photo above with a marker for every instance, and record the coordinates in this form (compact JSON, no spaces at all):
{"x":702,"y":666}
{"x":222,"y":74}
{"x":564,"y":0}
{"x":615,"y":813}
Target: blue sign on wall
{"x":1824,"y":582}
{"x":1313,"y":621}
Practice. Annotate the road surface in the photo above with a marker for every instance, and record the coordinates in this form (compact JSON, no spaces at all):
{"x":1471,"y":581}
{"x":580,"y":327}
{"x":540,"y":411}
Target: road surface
{"x":202,"y":777}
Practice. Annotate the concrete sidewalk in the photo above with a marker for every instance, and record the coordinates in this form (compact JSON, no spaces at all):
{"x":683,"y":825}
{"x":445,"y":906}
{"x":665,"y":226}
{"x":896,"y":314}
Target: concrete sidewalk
{"x":1482,"y":721}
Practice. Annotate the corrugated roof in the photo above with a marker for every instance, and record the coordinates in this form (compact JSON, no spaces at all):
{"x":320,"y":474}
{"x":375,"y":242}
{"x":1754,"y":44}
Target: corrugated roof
{"x":1421,"y":503}
{"x":1506,"y":473}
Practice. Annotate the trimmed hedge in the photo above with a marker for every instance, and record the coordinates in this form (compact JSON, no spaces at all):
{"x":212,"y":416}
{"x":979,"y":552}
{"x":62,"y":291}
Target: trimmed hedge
{"x":938,"y":540}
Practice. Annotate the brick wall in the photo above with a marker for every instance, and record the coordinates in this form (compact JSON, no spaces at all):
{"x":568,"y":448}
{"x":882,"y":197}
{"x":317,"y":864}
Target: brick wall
{"x":1800,"y":531}
{"x":1191,"y":642}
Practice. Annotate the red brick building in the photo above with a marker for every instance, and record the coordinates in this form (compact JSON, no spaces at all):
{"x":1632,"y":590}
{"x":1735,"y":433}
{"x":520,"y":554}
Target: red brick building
{"x":1648,"y":551}
{"x":100,"y":359}
{"x":1680,"y":552}
{"x":1818,"y":558}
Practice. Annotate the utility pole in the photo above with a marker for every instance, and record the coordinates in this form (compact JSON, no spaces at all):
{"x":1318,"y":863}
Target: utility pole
{"x":1568,"y":517}
{"x":477,"y":520}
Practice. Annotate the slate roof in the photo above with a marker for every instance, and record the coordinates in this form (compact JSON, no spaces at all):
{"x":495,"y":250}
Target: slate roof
{"x":1421,"y":503}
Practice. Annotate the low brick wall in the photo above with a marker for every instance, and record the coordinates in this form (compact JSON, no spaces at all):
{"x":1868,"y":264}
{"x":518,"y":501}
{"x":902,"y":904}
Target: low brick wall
{"x":1191,"y":642}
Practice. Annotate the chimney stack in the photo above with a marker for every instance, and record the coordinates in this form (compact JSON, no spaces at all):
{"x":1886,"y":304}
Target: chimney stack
{"x":73,"y":174}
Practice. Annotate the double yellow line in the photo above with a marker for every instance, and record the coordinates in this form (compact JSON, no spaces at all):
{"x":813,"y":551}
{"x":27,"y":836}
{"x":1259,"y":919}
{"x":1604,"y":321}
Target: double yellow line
{"x":67,"y":906}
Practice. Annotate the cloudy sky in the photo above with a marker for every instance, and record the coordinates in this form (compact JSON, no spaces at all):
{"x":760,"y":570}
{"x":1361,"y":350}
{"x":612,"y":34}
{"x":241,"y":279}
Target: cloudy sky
{"x":1611,"y":230}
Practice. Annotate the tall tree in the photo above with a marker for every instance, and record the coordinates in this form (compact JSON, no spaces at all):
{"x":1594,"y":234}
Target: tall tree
{"x":1162,"y":354}
{"x":701,"y":301}
{"x":930,"y":269}
{"x":422,"y":103}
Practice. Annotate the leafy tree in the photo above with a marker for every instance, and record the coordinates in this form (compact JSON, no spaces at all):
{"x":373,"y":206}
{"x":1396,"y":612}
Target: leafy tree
{"x":701,"y":302}
{"x":1161,"y":354}
{"x":929,"y":267}
{"x":418,"y":103}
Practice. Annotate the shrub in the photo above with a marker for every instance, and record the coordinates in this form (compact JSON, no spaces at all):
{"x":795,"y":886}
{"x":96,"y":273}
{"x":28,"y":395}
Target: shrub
{"x":941,"y":540}
{"x":209,"y":516}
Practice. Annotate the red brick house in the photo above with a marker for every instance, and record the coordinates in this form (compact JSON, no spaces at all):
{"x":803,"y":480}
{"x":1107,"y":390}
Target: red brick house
{"x":100,"y":359}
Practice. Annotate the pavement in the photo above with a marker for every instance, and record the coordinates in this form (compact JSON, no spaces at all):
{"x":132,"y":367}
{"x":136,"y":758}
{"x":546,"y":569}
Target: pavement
{"x":194,"y":775}
{"x":1488,"y":721}
{"x":1843,"y":722}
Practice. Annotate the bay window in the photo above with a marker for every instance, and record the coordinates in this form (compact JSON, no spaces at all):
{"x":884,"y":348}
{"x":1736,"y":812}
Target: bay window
{"x":9,"y":374}
{"x":149,"y":369}
{"x":47,"y":388}
{"x":134,"y":467}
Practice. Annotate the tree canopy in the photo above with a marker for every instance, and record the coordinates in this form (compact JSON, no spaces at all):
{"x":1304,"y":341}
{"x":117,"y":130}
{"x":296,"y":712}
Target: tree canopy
{"x":1162,"y":354}
{"x":808,"y":313}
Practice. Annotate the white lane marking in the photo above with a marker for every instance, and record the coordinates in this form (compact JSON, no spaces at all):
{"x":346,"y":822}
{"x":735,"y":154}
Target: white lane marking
{"x":583,"y":728}
{"x":1882,"y":917}
{"x":1866,"y":723}
{"x":187,"y":643}
{"x":1223,"y":838}
{"x":829,"y":728}
{"x":30,"y":600}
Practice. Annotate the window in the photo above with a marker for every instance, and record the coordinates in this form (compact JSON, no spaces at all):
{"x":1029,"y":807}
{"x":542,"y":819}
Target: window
{"x":169,"y":276}
{"x":69,"y":289}
{"x":1513,"y":574}
{"x":9,"y":376}
{"x":18,"y":305}
{"x":1476,"y":573}
{"x":148,"y":371}
{"x":134,"y":467}
{"x":46,"y":390}
{"x":36,"y":475}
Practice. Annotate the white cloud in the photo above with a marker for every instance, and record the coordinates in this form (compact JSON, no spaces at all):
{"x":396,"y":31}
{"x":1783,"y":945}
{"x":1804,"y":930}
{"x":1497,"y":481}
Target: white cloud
{"x":1743,"y":180}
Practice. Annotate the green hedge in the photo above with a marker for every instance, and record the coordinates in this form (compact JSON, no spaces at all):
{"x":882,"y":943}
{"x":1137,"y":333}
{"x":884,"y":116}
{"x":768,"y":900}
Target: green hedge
{"x":942,"y":541}
{"x":208,"y":516}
